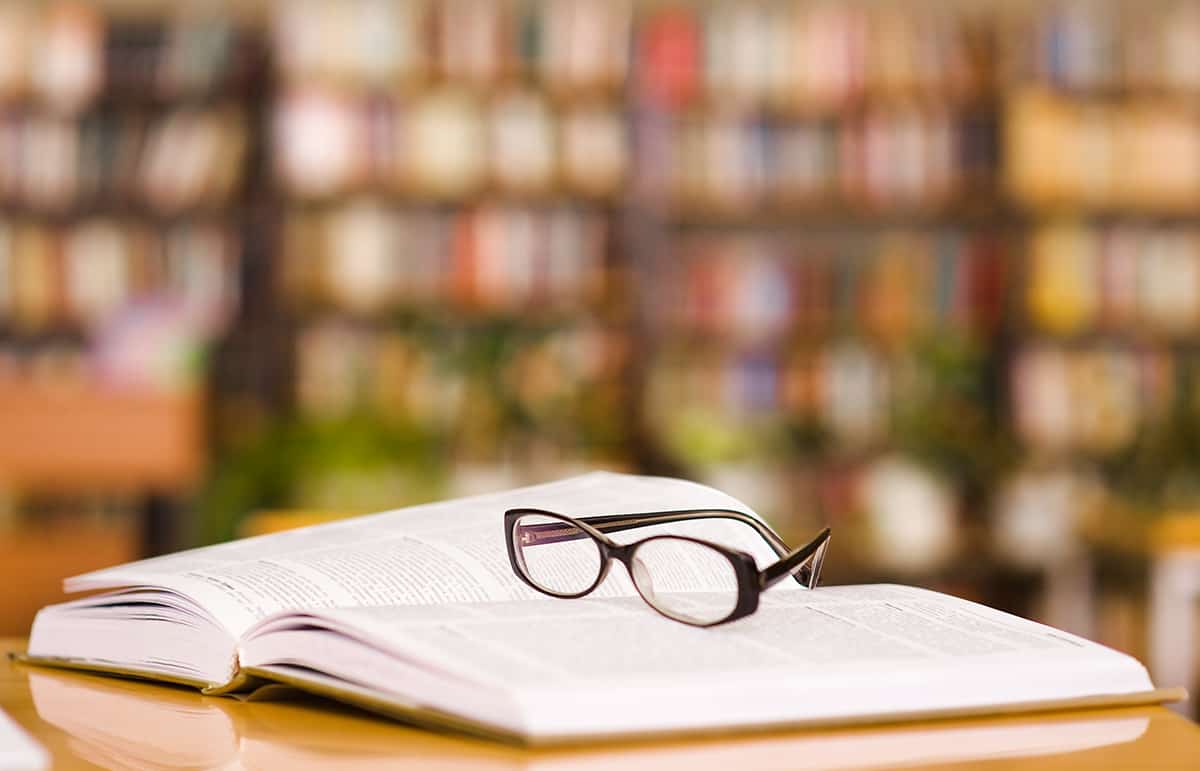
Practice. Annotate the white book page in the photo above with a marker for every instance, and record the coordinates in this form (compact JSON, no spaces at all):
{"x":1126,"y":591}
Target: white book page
{"x":439,"y":553}
{"x":613,"y":666}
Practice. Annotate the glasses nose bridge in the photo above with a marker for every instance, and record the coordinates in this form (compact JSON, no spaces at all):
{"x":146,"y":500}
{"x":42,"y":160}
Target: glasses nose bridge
{"x":622,"y":553}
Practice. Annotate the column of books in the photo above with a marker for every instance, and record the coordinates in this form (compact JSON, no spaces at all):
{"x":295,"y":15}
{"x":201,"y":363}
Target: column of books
{"x":450,"y":172}
{"x":1102,"y":148}
{"x":832,"y":276}
{"x":122,"y":144}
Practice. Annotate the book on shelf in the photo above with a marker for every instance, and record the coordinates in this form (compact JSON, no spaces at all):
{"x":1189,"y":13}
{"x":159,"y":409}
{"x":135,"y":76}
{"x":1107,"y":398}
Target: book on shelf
{"x":416,"y":613}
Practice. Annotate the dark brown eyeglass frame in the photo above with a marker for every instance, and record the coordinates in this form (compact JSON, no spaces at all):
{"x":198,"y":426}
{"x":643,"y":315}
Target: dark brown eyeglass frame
{"x":803,"y":564}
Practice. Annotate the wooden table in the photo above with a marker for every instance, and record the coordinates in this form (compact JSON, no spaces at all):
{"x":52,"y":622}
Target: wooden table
{"x":90,"y":721}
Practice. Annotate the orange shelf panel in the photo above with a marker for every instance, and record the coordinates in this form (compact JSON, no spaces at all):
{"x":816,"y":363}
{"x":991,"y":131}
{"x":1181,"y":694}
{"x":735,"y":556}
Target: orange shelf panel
{"x":78,"y":438}
{"x":35,"y":561}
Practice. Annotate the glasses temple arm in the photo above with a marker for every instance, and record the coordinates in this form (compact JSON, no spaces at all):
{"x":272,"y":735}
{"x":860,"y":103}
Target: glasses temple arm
{"x":615,"y":523}
{"x":804,"y":563}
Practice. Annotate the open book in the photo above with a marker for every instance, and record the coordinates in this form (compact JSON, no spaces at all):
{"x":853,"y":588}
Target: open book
{"x":417,"y":613}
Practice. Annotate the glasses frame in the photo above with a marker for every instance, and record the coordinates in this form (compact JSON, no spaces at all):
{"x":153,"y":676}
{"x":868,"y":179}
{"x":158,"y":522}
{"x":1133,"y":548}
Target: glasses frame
{"x":803,"y":564}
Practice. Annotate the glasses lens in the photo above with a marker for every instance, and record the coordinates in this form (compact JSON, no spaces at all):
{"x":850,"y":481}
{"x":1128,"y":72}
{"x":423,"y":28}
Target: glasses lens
{"x":667,"y":570}
{"x":558,"y":557}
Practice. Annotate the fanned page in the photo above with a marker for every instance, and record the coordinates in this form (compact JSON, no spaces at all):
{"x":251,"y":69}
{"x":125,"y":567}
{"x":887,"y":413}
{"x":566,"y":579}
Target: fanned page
{"x":558,"y":670}
{"x":435,"y":554}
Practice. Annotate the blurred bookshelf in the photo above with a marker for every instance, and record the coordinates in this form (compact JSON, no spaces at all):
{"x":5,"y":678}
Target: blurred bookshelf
{"x":1100,"y":148}
{"x":833,"y":247}
{"x":125,"y":139}
{"x":448,"y":180}
{"x":928,"y":273}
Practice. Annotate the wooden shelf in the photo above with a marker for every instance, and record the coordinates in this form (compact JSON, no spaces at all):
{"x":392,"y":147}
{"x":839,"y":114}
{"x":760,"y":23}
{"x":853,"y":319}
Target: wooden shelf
{"x":1176,"y":531}
{"x":401,"y":196}
{"x":39,"y":558}
{"x":730,"y":104}
{"x":425,"y":80}
{"x":835,"y":213}
{"x":75,"y":438}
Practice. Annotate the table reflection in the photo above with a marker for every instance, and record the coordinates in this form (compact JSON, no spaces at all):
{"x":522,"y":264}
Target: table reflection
{"x":121,"y":724}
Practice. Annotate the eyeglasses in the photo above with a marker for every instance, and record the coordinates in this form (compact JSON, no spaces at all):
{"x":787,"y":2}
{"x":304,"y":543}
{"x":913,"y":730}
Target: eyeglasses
{"x":567,"y":557}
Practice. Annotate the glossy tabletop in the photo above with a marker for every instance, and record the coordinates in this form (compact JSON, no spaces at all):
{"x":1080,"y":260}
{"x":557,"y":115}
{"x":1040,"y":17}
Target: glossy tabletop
{"x":91,"y":721}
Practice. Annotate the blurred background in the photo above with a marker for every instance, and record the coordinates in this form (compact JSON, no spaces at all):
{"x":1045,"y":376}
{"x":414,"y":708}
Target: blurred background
{"x":926,"y":272}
